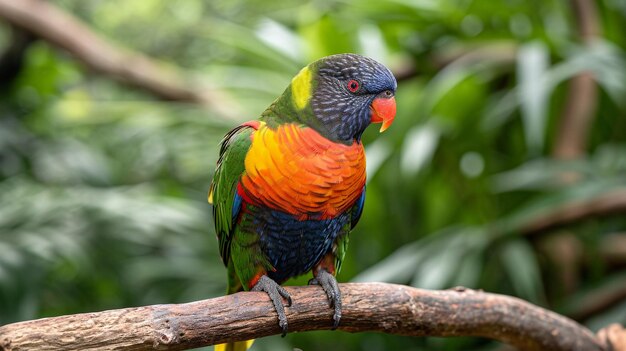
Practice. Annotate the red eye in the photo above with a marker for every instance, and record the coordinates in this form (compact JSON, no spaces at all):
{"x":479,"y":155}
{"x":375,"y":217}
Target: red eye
{"x":353,"y":85}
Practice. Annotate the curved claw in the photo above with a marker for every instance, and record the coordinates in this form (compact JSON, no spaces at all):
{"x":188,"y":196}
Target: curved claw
{"x":275,"y":292}
{"x":329,"y":284}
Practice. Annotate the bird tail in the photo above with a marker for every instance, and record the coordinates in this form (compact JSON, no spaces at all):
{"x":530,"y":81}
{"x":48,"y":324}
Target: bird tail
{"x":235,"y":346}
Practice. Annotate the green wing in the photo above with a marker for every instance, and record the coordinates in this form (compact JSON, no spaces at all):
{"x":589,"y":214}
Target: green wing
{"x":341,"y":243}
{"x":223,"y":192}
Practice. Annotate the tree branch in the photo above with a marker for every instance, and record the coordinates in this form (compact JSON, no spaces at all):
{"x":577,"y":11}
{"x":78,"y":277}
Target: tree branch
{"x":603,"y":205}
{"x":580,"y":108}
{"x":67,"y":32}
{"x":378,"y":307}
{"x":585,"y":305}
{"x":613,"y":248}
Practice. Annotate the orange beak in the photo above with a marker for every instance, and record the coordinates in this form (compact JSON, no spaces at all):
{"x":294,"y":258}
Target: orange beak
{"x":383,"y":111}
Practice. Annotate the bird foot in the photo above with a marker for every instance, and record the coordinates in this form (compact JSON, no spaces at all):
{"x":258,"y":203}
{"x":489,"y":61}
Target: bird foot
{"x":275,"y":292}
{"x":329,"y":284}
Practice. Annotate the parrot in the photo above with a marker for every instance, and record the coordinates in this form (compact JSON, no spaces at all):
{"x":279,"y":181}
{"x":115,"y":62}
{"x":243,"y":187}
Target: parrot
{"x":289,"y":186}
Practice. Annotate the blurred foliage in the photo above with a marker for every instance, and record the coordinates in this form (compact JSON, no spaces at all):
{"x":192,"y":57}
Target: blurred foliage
{"x":103,"y":188}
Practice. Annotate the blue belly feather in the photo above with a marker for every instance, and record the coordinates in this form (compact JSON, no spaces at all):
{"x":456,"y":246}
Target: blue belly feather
{"x":293,"y":247}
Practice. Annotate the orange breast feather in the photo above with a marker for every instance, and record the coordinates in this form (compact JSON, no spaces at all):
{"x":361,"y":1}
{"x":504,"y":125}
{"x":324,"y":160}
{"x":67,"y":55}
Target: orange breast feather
{"x":295,"y":170}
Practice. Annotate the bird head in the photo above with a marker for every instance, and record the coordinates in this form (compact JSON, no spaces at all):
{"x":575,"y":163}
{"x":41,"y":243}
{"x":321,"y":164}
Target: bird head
{"x":340,"y":95}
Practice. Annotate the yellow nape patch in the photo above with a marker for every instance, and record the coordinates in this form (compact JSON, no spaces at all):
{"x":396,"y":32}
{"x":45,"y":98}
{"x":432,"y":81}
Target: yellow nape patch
{"x":237,"y":346}
{"x":301,"y":88}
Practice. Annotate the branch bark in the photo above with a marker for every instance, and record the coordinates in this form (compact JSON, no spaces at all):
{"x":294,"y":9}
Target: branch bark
{"x":378,"y":307}
{"x":67,"y":32}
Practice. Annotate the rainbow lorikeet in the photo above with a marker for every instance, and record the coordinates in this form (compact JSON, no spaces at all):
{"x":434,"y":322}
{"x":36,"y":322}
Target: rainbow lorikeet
{"x":290,"y":186}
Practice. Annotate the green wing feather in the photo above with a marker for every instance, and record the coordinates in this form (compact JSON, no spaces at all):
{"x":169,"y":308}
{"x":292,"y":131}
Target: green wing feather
{"x":223,"y":191}
{"x":342,"y":241}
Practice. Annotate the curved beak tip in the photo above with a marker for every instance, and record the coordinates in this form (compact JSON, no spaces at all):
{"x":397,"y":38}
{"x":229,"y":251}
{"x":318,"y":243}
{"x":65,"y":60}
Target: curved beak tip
{"x":386,"y":124}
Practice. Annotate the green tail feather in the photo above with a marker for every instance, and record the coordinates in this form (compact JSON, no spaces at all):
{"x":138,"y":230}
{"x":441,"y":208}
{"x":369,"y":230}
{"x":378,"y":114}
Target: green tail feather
{"x":234,"y":286}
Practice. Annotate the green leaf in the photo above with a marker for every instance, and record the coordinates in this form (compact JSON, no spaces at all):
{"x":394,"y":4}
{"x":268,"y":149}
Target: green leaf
{"x":521,"y":265}
{"x":533,"y":63}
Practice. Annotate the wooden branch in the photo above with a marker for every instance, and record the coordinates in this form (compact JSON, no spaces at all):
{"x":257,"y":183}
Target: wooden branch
{"x":67,"y":32}
{"x":378,"y":307}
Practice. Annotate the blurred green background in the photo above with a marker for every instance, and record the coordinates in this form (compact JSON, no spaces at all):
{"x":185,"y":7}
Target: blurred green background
{"x":505,"y":169}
